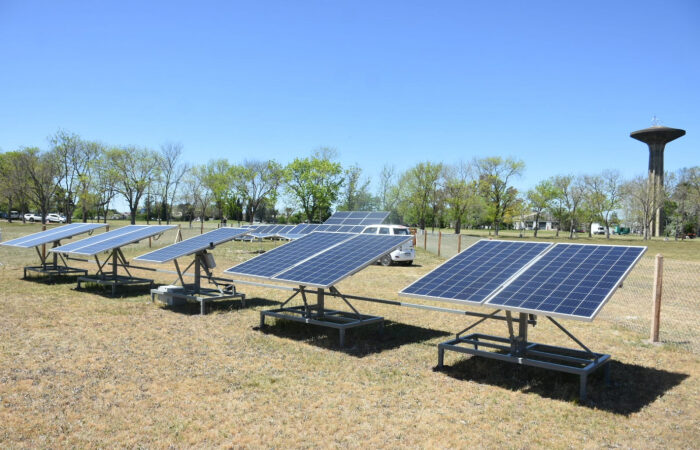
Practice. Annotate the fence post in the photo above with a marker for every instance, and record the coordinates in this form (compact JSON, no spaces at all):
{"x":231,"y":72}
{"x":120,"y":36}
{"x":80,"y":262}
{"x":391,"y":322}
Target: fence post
{"x":425,"y":239}
{"x":658,"y":289}
{"x":439,"y":241}
{"x":149,"y":242}
{"x":459,"y":243}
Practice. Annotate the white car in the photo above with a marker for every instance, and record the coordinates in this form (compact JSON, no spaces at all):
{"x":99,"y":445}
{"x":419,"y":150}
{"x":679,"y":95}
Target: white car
{"x":32,"y":217}
{"x":53,"y":217}
{"x":404,"y":254}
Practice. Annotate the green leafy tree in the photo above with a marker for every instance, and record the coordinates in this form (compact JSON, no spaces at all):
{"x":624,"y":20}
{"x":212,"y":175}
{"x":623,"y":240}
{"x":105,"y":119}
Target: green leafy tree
{"x":356,"y":195}
{"x":314,"y":183}
{"x":41,"y":170}
{"x":417,"y":194}
{"x":540,"y":200}
{"x":495,"y":177}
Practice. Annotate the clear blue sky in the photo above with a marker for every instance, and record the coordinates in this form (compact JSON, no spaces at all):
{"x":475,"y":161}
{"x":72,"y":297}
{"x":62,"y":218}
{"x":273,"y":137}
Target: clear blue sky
{"x":558,"y":84}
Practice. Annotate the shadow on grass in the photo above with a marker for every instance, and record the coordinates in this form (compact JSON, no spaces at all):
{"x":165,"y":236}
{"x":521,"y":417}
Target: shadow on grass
{"x":359,"y":342}
{"x":631,"y":388}
{"x":221,"y":306}
{"x":52,"y":279}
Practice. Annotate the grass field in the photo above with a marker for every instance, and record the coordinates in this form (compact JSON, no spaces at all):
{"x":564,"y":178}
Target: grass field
{"x":81,"y":369}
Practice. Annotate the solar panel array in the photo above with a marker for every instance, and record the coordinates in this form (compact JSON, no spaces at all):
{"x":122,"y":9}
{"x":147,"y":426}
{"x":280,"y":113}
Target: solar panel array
{"x":112,"y":239}
{"x":52,"y":235}
{"x":357,"y":218}
{"x":571,"y":280}
{"x":564,"y":280}
{"x":473,"y":274}
{"x":297,"y":231}
{"x":319,"y":259}
{"x":278,"y":259}
{"x":192,"y":245}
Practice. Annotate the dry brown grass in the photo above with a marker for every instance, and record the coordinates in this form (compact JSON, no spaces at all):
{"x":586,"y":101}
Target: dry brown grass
{"x":82,"y":369}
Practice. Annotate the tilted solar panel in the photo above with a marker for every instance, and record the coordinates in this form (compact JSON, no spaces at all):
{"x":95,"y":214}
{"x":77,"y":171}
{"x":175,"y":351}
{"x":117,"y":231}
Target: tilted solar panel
{"x":115,"y":241}
{"x":571,"y":280}
{"x":285,"y":256}
{"x":341,"y":261}
{"x":53,"y":235}
{"x":472,"y":275}
{"x":357,"y":218}
{"x":192,"y":245}
{"x":67,"y":248}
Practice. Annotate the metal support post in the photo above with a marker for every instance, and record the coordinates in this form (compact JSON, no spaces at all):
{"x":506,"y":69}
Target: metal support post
{"x":320,"y":302}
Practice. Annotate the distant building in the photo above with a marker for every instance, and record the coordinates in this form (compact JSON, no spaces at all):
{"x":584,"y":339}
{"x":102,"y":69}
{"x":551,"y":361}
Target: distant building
{"x":527,"y":222}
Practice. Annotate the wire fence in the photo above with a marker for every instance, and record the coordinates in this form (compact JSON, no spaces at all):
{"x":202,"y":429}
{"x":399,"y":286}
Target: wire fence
{"x":631,"y":307}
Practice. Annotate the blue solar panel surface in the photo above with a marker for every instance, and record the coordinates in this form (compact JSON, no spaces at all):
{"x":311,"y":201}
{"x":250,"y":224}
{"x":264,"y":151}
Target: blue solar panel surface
{"x":192,"y":245}
{"x":115,"y":241}
{"x":67,"y":248}
{"x":285,"y":256}
{"x":53,"y":235}
{"x":341,"y":261}
{"x":357,"y":218}
{"x":473,"y":274}
{"x":570,"y":280}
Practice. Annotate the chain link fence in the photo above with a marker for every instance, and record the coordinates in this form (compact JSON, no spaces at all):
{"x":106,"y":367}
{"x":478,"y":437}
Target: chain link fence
{"x":631,"y":306}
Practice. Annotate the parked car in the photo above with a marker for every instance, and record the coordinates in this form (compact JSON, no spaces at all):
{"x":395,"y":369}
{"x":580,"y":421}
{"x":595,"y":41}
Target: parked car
{"x":404,"y":254}
{"x":32,"y":217}
{"x":14,"y":215}
{"x":57,"y":218}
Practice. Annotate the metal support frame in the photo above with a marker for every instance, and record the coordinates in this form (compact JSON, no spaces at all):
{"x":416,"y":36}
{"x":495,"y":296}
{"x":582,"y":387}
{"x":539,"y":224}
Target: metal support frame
{"x":112,"y":278}
{"x":223,"y":288}
{"x":516,"y":349}
{"x":319,"y":315}
{"x":53,"y":268}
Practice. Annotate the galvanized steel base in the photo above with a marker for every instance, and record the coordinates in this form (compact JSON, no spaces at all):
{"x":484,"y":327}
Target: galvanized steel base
{"x":114,"y":281}
{"x":318,"y":315}
{"x":518,"y":350}
{"x":52,"y":271}
{"x":203,"y":296}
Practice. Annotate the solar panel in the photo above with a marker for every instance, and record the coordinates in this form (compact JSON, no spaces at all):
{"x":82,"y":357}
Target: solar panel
{"x":357,"y":218}
{"x":111,"y":241}
{"x":52,"y":235}
{"x":472,"y":275}
{"x":285,"y":256}
{"x":192,"y":245}
{"x":570,"y":280}
{"x":341,"y":261}
{"x":67,"y":248}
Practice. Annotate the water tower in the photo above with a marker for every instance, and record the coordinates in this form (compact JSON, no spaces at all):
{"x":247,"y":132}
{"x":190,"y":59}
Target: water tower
{"x":656,"y":137}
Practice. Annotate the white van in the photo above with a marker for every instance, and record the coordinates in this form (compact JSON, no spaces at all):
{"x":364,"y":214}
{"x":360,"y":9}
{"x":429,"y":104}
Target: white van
{"x":402,"y":255}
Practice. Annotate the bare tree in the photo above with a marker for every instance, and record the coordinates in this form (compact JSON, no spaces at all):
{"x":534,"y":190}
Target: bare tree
{"x":172,"y":172}
{"x":460,"y":192}
{"x":42,"y":169}
{"x":136,"y":168}
{"x":257,"y":182}
{"x":603,"y":197}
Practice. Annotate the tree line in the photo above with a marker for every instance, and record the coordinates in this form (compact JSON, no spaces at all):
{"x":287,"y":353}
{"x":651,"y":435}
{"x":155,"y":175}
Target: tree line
{"x":83,"y":179}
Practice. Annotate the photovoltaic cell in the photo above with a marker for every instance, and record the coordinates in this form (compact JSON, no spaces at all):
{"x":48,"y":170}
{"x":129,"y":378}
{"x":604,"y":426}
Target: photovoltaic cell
{"x":111,"y":241}
{"x":570,"y":280}
{"x":52,"y":235}
{"x":472,"y":275}
{"x":285,"y":256}
{"x":341,"y":261}
{"x":192,"y":245}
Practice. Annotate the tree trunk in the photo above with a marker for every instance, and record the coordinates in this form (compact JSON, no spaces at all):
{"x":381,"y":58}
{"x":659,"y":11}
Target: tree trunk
{"x":458,"y":226}
{"x":133,"y":215}
{"x":536,"y":225}
{"x":496,"y":226}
